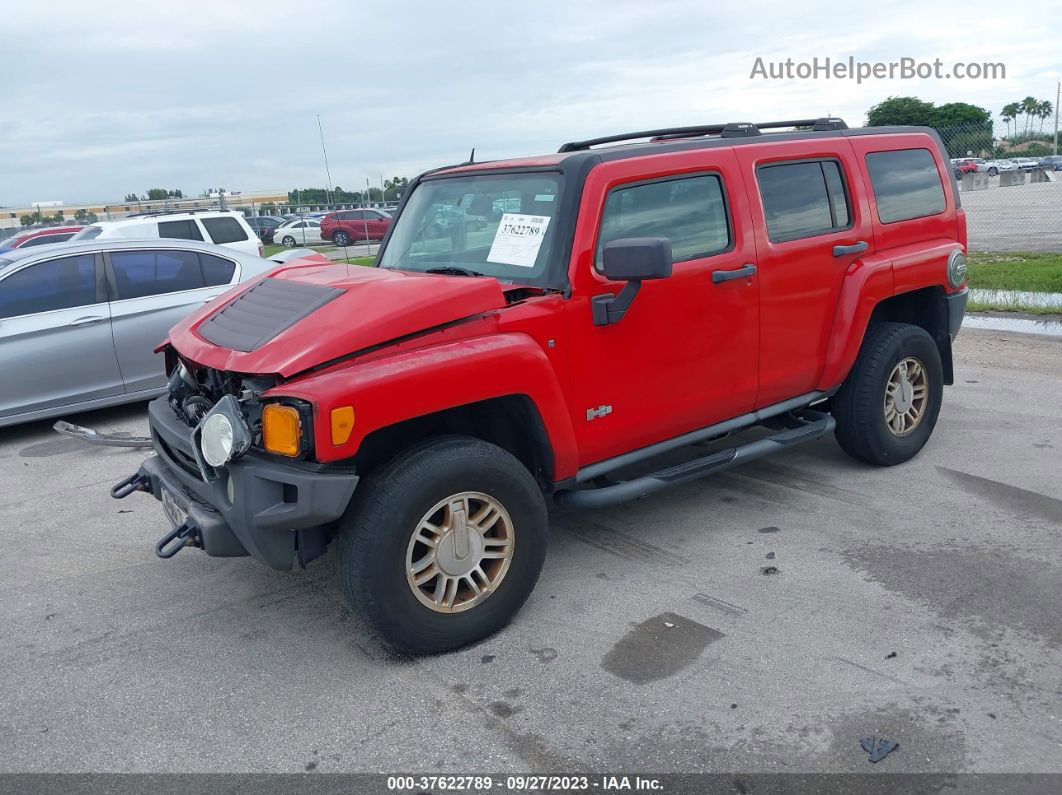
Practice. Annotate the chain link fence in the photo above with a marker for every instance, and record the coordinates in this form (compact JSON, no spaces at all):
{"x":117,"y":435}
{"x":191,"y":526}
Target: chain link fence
{"x":1011,"y":189}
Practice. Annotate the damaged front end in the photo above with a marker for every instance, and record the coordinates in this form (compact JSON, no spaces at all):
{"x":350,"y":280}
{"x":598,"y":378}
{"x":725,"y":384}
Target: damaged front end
{"x":221,"y":489}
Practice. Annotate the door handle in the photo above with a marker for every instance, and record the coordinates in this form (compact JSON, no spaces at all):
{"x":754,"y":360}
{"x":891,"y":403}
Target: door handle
{"x":746,"y":272}
{"x":86,"y":321}
{"x":856,"y":248}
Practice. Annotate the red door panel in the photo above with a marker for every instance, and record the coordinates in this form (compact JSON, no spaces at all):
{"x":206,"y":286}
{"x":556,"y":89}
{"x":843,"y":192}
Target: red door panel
{"x":800,"y":279}
{"x":684,"y":355}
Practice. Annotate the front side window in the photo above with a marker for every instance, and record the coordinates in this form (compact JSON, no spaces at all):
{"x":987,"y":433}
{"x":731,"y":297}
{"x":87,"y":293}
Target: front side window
{"x":180,"y":230}
{"x":142,"y":273}
{"x":804,"y":199}
{"x":906,"y":184}
{"x":501,"y":225}
{"x":690,"y":212}
{"x":224,"y":230}
{"x":56,"y":284}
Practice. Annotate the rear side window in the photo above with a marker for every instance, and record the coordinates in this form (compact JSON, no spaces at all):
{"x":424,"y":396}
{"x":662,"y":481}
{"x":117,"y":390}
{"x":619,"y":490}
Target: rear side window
{"x":142,"y":273}
{"x":56,"y":284}
{"x":690,"y":212}
{"x":803,"y":199}
{"x":180,"y":230}
{"x":44,"y":240}
{"x":224,"y":230}
{"x":906,"y":184}
{"x":216,"y":271}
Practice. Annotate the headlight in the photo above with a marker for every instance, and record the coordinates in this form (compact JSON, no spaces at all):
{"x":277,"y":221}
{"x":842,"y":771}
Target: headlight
{"x":222,"y":435}
{"x":217,"y":439}
{"x":956,"y":269}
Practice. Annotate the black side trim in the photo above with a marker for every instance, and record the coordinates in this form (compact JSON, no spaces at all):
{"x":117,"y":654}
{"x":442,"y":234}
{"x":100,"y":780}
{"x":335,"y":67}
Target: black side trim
{"x":256,"y":316}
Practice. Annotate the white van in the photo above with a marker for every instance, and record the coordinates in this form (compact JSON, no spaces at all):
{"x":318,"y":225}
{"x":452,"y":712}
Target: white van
{"x":229,"y":229}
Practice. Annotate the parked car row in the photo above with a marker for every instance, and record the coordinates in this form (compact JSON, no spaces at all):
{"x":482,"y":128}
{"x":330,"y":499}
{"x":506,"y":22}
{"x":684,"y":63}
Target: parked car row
{"x":967,"y":165}
{"x":341,"y":227}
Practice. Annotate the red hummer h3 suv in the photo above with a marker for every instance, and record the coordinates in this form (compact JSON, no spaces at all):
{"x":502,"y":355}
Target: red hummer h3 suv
{"x":625,"y":297}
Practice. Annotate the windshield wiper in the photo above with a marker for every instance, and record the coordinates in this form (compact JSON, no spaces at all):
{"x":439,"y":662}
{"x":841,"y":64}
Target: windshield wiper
{"x":453,"y":270}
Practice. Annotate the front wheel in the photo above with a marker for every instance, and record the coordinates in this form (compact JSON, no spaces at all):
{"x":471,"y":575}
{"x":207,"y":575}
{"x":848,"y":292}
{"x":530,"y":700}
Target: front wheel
{"x":993,"y":172}
{"x":442,"y":546}
{"x":887,"y":407}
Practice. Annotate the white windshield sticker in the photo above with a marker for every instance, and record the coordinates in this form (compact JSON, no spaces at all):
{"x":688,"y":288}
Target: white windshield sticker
{"x":518,"y":239}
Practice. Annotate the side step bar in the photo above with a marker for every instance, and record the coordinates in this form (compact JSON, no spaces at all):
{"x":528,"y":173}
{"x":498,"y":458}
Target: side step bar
{"x":818,"y":424}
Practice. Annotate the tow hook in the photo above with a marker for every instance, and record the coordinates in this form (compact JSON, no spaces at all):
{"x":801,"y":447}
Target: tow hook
{"x":137,"y":482}
{"x":184,"y":535}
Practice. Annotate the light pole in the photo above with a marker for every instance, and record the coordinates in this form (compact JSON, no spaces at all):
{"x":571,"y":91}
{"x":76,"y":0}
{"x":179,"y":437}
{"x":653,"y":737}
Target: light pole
{"x":1058,"y":96}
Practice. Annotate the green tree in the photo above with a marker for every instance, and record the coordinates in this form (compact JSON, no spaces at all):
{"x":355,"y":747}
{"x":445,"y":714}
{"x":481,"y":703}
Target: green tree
{"x":1029,"y":106}
{"x":901,"y":110}
{"x":157,"y":194}
{"x":395,"y":187}
{"x":132,"y":197}
{"x":960,"y":114}
{"x":26,"y":220}
{"x":1010,"y":113}
{"x":83,"y":216}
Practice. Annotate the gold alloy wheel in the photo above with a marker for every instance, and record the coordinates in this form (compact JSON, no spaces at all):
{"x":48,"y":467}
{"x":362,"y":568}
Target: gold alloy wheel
{"x":906,"y":396}
{"x":459,"y":552}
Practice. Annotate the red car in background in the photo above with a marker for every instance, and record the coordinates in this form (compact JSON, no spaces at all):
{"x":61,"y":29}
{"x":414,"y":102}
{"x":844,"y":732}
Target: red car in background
{"x":39,"y":237}
{"x":346,"y":226}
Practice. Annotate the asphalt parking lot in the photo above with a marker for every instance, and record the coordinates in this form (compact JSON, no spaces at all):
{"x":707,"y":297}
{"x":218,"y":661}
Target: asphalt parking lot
{"x":922,"y":603}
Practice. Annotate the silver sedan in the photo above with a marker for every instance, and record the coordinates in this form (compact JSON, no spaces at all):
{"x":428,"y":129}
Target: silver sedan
{"x":79,"y":321}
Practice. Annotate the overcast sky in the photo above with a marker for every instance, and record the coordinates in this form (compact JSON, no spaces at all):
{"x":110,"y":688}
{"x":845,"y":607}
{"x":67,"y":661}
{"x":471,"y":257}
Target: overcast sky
{"x":103,"y":98}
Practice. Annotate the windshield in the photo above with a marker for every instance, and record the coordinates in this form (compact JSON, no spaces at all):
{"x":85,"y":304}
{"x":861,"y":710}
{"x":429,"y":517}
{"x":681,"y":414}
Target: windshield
{"x":499,"y":225}
{"x":88,"y":233}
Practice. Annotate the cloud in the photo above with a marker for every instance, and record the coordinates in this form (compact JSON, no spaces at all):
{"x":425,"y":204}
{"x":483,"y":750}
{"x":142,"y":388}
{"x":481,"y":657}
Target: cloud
{"x":196,"y":94}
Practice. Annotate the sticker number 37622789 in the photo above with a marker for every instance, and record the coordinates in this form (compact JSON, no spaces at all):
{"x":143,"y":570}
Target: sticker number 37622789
{"x":518,"y":239}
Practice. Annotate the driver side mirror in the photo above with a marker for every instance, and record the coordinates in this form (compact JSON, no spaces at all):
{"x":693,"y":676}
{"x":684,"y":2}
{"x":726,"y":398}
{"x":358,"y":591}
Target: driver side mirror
{"x":633,"y":260}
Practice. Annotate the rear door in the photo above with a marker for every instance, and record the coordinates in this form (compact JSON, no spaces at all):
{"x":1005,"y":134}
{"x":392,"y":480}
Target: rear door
{"x":152,"y":290}
{"x":55,"y":336}
{"x":810,"y":229}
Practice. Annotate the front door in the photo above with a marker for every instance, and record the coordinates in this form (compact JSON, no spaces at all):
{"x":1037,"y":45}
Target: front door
{"x":55,"y":336}
{"x":684,"y":355}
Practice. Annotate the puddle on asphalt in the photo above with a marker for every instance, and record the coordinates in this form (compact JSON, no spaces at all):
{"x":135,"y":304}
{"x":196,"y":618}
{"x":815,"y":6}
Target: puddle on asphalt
{"x":659,"y":647}
{"x":1020,"y":325}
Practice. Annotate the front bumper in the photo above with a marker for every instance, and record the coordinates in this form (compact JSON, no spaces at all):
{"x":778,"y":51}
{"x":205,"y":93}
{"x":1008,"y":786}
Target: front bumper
{"x":281,"y":510}
{"x":956,"y":303}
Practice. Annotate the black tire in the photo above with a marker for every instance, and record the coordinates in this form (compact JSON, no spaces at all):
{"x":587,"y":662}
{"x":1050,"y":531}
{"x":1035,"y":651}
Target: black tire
{"x":341,"y":239}
{"x":388,"y":504}
{"x":289,"y":241}
{"x":858,"y":407}
{"x":993,"y":172}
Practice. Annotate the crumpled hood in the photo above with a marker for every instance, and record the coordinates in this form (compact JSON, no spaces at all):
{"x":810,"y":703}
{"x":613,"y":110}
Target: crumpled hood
{"x":297,"y":317}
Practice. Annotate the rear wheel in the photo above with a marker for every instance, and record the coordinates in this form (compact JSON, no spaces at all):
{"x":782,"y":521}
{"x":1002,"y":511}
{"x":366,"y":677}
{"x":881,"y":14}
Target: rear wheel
{"x":441,"y":546}
{"x":289,"y":241}
{"x":341,"y":238}
{"x":887,"y":407}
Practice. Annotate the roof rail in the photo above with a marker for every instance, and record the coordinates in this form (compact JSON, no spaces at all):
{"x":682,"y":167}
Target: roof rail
{"x":150,"y":213}
{"x":724,"y":130}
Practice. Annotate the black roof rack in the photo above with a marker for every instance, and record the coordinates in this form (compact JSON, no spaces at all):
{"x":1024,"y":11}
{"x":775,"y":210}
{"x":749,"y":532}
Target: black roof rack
{"x":149,"y":213}
{"x":732,"y":130}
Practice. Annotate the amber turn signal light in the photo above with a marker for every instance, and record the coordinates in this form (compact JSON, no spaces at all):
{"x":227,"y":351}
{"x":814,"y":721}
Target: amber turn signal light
{"x":342,"y":424}
{"x":281,"y":429}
